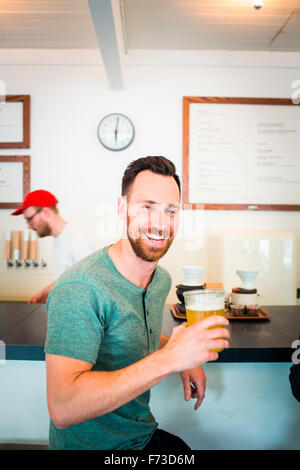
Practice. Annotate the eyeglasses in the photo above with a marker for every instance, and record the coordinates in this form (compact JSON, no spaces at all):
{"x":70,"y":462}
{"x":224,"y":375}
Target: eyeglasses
{"x":30,"y":218}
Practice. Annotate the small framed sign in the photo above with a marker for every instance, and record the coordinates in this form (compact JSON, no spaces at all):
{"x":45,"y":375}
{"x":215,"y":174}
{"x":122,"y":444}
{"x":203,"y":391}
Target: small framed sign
{"x":14,"y":121}
{"x":14,"y":180}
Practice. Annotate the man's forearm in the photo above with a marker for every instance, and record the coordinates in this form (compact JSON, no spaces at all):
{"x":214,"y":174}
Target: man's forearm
{"x":42,"y":295}
{"x":76,"y":393}
{"x":94,"y":393}
{"x":49,"y":287}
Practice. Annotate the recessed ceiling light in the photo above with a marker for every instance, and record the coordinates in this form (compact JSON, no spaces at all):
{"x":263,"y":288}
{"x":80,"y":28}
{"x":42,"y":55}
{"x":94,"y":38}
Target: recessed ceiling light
{"x":258,"y":4}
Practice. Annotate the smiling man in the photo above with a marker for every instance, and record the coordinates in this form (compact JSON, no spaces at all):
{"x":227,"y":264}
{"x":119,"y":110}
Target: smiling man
{"x":104,"y":348}
{"x":151,"y":224}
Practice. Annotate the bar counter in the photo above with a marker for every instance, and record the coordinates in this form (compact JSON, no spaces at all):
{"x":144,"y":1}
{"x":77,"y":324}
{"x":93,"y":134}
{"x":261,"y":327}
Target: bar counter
{"x":248,"y":401}
{"x":23,"y":330}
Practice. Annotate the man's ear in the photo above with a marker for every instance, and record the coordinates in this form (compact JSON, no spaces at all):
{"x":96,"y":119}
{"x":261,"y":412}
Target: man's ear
{"x":122,"y":207}
{"x":47,"y":212}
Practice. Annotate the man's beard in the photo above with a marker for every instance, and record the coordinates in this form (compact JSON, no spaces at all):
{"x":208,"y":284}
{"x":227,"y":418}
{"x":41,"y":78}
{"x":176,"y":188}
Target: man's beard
{"x":146,"y":252}
{"x":43,"y":231}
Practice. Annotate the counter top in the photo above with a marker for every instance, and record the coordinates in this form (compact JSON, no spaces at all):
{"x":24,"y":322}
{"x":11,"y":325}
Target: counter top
{"x":257,"y":340}
{"x":23,"y":330}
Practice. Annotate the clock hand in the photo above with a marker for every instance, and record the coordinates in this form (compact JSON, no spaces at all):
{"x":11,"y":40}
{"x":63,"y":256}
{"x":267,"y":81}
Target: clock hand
{"x":116,"y":129}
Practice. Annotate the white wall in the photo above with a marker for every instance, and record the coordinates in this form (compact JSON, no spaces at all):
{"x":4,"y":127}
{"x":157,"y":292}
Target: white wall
{"x":68,"y":101}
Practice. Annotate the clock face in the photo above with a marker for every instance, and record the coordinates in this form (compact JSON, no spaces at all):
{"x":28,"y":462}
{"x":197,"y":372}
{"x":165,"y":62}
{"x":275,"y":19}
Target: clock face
{"x":116,"y":132}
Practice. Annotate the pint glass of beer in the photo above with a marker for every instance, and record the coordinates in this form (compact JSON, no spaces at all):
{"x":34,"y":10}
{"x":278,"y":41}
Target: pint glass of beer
{"x":203,"y":303}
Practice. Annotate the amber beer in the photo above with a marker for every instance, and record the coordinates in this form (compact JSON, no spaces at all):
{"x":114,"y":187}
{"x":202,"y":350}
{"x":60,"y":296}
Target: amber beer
{"x":203,"y":303}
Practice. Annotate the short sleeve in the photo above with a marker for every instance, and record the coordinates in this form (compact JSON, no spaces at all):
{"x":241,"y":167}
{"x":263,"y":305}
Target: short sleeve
{"x":76,"y":318}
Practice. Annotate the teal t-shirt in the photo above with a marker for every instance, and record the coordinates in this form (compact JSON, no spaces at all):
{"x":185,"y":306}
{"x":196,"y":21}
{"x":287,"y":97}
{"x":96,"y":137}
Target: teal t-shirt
{"x":96,"y":315}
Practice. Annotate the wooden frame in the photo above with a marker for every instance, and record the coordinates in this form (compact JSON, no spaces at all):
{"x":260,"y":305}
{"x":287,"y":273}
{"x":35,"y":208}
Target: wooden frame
{"x":25,"y":143}
{"x":186,"y":203}
{"x":26,"y":179}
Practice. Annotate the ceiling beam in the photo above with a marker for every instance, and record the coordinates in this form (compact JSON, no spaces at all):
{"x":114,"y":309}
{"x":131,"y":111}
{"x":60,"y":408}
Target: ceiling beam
{"x":107,"y":22}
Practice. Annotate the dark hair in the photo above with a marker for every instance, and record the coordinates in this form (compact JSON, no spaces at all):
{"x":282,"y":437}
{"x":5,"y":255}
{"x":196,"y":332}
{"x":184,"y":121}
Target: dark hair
{"x":158,"y":165}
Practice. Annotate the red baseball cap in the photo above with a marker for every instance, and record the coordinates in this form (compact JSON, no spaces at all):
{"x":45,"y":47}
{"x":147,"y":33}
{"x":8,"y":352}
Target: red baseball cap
{"x":39,"y":198}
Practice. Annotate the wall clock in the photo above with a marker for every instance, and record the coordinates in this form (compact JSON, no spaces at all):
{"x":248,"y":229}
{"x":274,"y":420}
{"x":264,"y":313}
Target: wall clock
{"x":116,"y":132}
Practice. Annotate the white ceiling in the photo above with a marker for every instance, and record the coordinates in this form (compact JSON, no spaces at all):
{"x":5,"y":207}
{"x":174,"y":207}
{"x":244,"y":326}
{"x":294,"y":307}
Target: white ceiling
{"x":117,"y":27}
{"x":46,"y":24}
{"x":212,"y":24}
{"x":154,"y":24}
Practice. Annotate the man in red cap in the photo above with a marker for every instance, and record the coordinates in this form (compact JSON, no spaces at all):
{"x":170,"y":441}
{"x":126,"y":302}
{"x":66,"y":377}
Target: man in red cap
{"x":40,"y":211}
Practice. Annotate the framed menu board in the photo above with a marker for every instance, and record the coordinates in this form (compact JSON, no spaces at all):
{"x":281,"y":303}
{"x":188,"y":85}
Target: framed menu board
{"x":14,"y":121}
{"x":14,"y":180}
{"x":241,"y":154}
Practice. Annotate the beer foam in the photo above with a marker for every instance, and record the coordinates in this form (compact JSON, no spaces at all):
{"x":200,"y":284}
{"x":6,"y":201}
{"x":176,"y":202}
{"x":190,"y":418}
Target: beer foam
{"x":205,"y":302}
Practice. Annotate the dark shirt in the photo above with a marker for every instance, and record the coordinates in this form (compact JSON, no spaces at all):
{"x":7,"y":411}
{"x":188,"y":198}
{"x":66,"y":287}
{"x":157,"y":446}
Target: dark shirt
{"x":295,"y":376}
